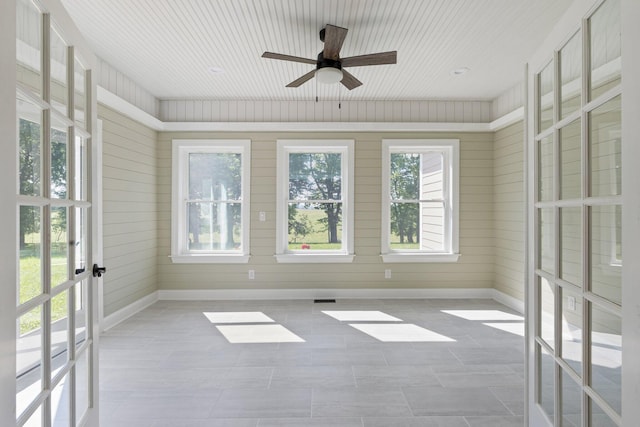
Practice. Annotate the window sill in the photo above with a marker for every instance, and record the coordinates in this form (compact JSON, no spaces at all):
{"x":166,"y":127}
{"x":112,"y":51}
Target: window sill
{"x":313,"y":258}
{"x":406,"y":258}
{"x":210,"y":259}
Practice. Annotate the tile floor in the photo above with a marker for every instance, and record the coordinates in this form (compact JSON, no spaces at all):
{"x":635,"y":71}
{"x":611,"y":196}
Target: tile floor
{"x":366,"y":363}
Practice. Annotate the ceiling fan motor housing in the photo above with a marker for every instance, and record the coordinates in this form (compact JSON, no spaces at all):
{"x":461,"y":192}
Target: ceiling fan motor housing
{"x":327,"y":63}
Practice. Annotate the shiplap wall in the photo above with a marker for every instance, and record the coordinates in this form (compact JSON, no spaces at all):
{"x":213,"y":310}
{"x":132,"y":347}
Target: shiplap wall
{"x":508,"y":195}
{"x":119,"y":84}
{"x":130,"y":210}
{"x":474,"y":270}
{"x":325,"y":111}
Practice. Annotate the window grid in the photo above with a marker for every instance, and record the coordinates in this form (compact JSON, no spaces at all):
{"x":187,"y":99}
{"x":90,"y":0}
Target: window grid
{"x":584,"y":299}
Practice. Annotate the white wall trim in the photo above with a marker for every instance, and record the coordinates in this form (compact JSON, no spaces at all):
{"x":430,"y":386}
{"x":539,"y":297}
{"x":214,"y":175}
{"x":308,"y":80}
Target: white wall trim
{"x":126,"y":312}
{"x":291,"y":294}
{"x":133,"y":112}
{"x":123,"y":106}
{"x":508,"y":300}
{"x":508,"y":119}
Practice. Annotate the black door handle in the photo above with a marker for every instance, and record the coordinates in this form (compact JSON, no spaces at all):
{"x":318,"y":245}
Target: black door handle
{"x":98,"y":271}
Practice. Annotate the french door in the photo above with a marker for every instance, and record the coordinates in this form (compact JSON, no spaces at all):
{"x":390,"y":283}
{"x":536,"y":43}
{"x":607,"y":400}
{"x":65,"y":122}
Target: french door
{"x":55,"y":325}
{"x":575,"y":272}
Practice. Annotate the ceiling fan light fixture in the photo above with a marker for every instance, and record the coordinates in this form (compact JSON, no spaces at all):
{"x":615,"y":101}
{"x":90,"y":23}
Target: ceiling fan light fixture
{"x":328,"y":75}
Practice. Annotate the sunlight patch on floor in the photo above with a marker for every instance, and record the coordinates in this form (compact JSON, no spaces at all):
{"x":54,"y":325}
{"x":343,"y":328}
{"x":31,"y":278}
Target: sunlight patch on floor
{"x":406,"y":332}
{"x":486,"y":315}
{"x":512,"y":327}
{"x":361,"y":316}
{"x":238,"y":317}
{"x":257,"y":334}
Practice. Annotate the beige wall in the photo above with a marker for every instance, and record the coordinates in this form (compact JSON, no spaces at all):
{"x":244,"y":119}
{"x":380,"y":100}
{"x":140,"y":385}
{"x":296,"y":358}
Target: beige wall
{"x":508,"y":193}
{"x":130,"y":210}
{"x":475,"y":268}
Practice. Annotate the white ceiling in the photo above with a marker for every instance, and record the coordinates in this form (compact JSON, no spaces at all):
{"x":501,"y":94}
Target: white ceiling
{"x":168,"y":46}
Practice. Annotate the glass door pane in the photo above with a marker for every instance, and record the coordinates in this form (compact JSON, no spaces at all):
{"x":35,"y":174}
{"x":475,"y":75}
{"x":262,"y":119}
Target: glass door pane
{"x":29,"y":45}
{"x":545,"y":99}
{"x":571,"y":75}
{"x":606,"y":48}
{"x":59,"y":85}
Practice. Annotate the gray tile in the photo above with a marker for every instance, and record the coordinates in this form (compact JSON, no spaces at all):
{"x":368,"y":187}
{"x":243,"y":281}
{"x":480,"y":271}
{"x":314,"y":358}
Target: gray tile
{"x":358,"y":402}
{"x":495,"y":421}
{"x":317,"y":376}
{"x":479,"y":379}
{"x":453,"y":401}
{"x":209,"y":422}
{"x":394,"y":376}
{"x":252,"y":403}
{"x":416,"y":422}
{"x":488,"y":356}
{"x":315,"y":422}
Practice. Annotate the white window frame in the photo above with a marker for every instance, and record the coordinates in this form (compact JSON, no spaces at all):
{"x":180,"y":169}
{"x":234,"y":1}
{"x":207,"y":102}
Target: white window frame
{"x":284,"y":148}
{"x":180,"y":189}
{"x":450,"y":148}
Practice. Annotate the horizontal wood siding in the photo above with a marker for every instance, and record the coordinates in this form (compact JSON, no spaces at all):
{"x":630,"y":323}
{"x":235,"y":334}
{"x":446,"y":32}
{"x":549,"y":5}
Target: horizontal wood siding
{"x":474,"y":270}
{"x":509,"y":199}
{"x":130,"y":210}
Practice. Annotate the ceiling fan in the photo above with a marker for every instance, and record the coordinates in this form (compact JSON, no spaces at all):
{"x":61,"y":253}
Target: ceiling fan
{"x":329,"y":65}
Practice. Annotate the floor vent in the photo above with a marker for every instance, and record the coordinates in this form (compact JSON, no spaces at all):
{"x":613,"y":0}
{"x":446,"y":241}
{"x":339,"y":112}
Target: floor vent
{"x":323,"y":301}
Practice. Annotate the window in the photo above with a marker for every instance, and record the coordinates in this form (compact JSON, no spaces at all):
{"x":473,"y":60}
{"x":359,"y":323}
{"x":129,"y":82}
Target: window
{"x":315,"y":194}
{"x":420,"y":200}
{"x":210,"y":208}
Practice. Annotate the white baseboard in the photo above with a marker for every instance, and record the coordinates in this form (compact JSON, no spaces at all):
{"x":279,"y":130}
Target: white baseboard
{"x":508,"y":300}
{"x":124,"y":313}
{"x":272,"y":294}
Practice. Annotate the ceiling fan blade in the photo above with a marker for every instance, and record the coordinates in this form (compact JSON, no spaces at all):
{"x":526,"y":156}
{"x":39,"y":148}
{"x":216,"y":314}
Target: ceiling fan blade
{"x":282,"y":57}
{"x":371,"y":59}
{"x":349,"y":81}
{"x":333,"y":39}
{"x":300,"y":80}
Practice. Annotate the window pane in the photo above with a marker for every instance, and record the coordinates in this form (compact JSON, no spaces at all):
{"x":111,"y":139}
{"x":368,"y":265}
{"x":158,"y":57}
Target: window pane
{"x":59,"y":331}
{"x":545,"y":169}
{"x":30,"y":269}
{"x":605,"y":48}
{"x":572,"y":329}
{"x":80,"y":99}
{"x":405,"y":226}
{"x":571,"y":245}
{"x":315,"y":226}
{"x":606,"y":252}
{"x":81,"y":241}
{"x":545,"y":100}
{"x":30,"y":147}
{"x":571,"y":401}
{"x":404,"y":177}
{"x":59,"y":246}
{"x":432,"y":227}
{"x":214,"y":226}
{"x":80,"y":306}
{"x":80,"y":173}
{"x":82,"y":384}
{"x":598,"y":417}
{"x":315,"y":176}
{"x":29,"y":45}
{"x":28,"y":359}
{"x":605,"y":149}
{"x":606,"y":356}
{"x":35,"y":420}
{"x":60,"y":403}
{"x":215,"y":176}
{"x":570,"y":164}
{"x":59,"y":162}
{"x":59,"y":53}
{"x":546,"y":312}
{"x":547,"y":240}
{"x":546,"y":382}
{"x":571,"y":73}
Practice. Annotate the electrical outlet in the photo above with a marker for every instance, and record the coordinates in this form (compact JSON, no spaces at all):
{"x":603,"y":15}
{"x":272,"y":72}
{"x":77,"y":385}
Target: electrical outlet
{"x":387,"y":274}
{"x":252,"y":274}
{"x":262,"y":216}
{"x":571,"y":303}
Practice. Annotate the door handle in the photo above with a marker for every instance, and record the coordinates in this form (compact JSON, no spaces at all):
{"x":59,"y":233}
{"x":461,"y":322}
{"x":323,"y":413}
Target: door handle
{"x":98,"y":271}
